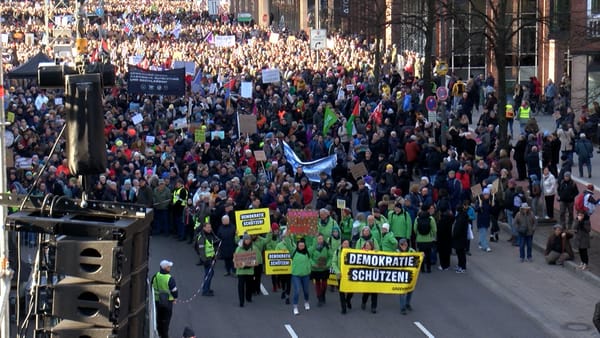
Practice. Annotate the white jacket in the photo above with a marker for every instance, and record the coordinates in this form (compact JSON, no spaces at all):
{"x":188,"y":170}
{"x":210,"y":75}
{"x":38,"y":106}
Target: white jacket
{"x":549,"y":185}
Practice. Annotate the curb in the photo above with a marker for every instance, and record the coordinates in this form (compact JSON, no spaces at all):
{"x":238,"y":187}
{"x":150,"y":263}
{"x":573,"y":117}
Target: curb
{"x":540,"y":246}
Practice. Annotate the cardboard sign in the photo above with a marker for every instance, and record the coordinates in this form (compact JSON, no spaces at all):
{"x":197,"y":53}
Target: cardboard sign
{"x":278,"y":262}
{"x":260,"y":156}
{"x":150,"y":139}
{"x":244,"y":259}
{"x":365,"y":271}
{"x":359,"y":170}
{"x":253,"y":221}
{"x":247,"y":124}
{"x":341,"y":203}
{"x":303,"y":222}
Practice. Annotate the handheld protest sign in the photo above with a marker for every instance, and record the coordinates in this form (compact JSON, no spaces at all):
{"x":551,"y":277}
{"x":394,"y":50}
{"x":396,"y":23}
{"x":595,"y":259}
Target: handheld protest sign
{"x":358,"y":170}
{"x":379,"y":272}
{"x":253,"y":221}
{"x":244,"y":259}
{"x":260,"y":155}
{"x":278,"y":262}
{"x":303,"y":222}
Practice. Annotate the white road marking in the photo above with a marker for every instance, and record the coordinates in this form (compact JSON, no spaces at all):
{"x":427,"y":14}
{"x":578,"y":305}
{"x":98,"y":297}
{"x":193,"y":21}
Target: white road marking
{"x":263,"y":290}
{"x":424,"y":330}
{"x":291,"y":331}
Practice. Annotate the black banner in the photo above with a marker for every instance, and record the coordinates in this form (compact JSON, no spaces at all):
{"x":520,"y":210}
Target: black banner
{"x":165,"y":82}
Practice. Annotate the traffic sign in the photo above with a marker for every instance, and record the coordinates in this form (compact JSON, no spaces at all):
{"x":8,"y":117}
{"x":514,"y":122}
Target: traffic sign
{"x":318,"y":39}
{"x":442,"y":93}
{"x":431,"y":103}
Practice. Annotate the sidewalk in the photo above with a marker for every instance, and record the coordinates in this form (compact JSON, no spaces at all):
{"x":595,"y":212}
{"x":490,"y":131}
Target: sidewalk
{"x":540,"y":237}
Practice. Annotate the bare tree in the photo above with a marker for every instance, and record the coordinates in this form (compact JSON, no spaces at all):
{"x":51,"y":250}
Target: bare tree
{"x":502,"y":26}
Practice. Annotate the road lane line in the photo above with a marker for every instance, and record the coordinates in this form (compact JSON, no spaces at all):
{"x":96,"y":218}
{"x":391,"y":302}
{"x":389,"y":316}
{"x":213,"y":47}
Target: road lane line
{"x":291,"y":331}
{"x":424,"y":330}
{"x":263,"y":290}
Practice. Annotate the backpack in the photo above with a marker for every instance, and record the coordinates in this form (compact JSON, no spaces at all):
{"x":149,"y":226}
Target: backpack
{"x":424,"y":225}
{"x":580,"y":203}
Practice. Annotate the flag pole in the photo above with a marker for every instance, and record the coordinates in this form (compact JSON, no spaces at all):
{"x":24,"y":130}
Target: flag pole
{"x":5,"y":271}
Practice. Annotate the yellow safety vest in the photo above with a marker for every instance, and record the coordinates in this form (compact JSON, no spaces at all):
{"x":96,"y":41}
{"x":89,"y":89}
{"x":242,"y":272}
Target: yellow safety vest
{"x":209,"y":249}
{"x":161,"y":284}
{"x":176,"y":195}
{"x":524,"y":113}
{"x":510,"y":112}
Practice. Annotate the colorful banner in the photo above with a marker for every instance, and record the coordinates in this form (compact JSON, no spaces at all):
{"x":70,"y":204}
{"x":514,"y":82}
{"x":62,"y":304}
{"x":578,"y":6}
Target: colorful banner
{"x":253,"y":221}
{"x":312,"y":169}
{"x":379,"y":272}
{"x":303,"y":222}
{"x":278,"y":262}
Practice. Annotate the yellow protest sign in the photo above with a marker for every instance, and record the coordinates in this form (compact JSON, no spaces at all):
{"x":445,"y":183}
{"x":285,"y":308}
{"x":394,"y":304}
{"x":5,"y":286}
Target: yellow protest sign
{"x":278,"y":262}
{"x":253,"y":221}
{"x":10,"y":117}
{"x":379,"y":272}
{"x":332,"y":280}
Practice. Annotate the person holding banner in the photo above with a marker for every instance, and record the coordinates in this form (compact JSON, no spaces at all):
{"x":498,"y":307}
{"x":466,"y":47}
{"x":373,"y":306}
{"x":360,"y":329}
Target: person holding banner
{"x":345,"y":297}
{"x":369,"y":246}
{"x":301,"y":269}
{"x":388,"y":241}
{"x":365,"y":235}
{"x":245,"y":273}
{"x":405,"y":298}
{"x":320,"y":260}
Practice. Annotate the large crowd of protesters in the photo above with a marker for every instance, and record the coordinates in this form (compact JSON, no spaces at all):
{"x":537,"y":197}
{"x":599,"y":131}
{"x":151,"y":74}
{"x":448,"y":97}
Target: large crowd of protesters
{"x":416,"y":167}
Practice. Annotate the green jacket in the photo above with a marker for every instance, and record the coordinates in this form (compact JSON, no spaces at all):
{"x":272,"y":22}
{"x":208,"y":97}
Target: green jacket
{"x":300,"y":264}
{"x":346,"y":227}
{"x":336,"y":261}
{"x":246,"y":270}
{"x":334,"y":243}
{"x":320,"y":259}
{"x":259,"y":245}
{"x":162,"y":199}
{"x":375,"y":231}
{"x":361,"y":242}
{"x":400,"y":224}
{"x":389,"y":243}
{"x":325,"y":228}
{"x":432,"y":233}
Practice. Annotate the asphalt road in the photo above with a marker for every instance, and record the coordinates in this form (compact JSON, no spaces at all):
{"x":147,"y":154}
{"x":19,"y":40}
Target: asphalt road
{"x":497,"y":297}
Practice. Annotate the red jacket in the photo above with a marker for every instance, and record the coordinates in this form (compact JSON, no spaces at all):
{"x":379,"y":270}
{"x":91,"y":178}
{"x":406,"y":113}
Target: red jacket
{"x":307,"y":195}
{"x":412,"y":150}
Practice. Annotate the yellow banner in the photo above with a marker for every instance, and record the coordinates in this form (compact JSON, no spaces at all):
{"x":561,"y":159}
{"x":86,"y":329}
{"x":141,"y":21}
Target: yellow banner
{"x":278,"y":262}
{"x":253,"y":221}
{"x":379,"y":272}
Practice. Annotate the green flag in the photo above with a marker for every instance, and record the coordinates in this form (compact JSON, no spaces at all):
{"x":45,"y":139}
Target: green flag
{"x":330,"y":120}
{"x":350,"y":125}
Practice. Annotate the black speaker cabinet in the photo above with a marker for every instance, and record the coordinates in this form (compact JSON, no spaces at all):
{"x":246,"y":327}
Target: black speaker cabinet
{"x":72,"y":329}
{"x":89,"y":302}
{"x":101,"y":261}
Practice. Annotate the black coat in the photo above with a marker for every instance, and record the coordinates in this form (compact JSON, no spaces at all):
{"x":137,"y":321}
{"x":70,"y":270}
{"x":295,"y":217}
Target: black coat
{"x":460,"y":231}
{"x":228,"y":240}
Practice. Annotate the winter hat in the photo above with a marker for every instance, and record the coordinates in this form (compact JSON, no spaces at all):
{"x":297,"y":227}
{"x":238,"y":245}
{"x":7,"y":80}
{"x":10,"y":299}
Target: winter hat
{"x":567,"y":174}
{"x":274,"y":226}
{"x":246,"y":236}
{"x":188,"y":333}
{"x":385,"y":226}
{"x":524,"y":206}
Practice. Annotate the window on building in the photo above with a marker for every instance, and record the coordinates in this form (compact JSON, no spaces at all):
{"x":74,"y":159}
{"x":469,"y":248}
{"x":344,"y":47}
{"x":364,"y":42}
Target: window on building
{"x":560,"y":15}
{"x":594,"y":7}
